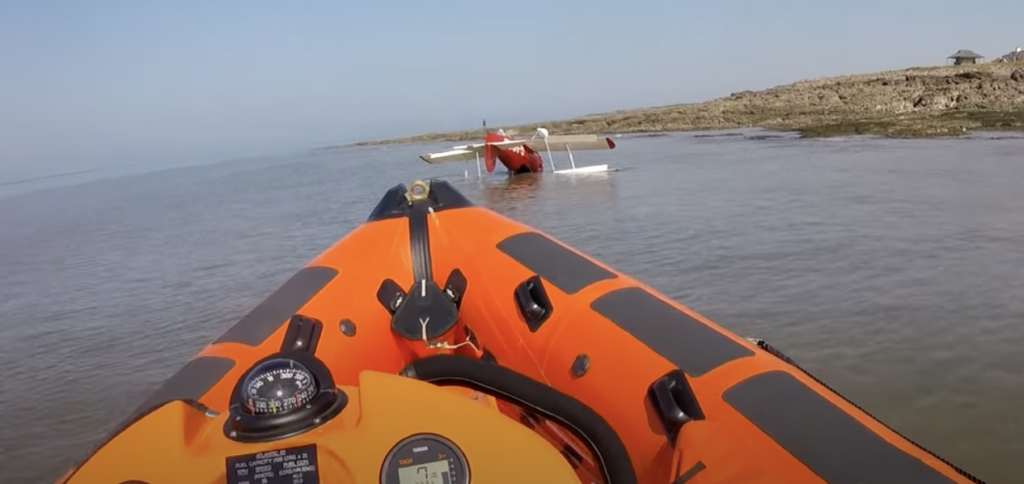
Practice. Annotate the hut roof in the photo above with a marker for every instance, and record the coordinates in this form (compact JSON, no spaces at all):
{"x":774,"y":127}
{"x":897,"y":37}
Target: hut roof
{"x":966,"y":54}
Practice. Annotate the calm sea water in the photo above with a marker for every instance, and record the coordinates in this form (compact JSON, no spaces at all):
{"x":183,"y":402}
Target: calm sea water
{"x":893,"y":270}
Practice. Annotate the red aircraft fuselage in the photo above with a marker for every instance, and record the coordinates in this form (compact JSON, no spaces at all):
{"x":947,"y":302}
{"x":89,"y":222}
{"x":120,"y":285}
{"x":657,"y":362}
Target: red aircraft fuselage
{"x":518,"y":159}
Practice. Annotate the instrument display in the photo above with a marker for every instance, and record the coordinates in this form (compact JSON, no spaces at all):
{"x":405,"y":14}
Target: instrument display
{"x":425,"y":459}
{"x":438,"y":472}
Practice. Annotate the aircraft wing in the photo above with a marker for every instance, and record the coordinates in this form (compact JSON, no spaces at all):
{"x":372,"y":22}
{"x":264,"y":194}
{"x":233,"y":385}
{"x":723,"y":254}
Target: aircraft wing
{"x":575,"y":142}
{"x":450,"y":156}
{"x":465,"y":152}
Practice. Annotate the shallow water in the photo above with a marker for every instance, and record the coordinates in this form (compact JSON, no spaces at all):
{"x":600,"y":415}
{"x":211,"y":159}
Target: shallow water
{"x":893,"y":270}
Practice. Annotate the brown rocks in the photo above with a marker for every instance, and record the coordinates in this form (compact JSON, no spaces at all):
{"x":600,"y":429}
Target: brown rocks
{"x":969,"y":75}
{"x":918,"y":101}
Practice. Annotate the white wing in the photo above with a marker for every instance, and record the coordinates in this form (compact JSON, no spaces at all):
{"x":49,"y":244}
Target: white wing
{"x":450,"y":156}
{"x":465,"y":152}
{"x":576,"y":142}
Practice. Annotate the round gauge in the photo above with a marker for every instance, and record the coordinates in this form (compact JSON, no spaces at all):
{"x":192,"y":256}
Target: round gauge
{"x":425,"y":459}
{"x":277,"y":386}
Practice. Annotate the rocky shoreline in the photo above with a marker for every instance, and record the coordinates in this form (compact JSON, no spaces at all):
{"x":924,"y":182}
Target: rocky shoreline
{"x":915,"y":102}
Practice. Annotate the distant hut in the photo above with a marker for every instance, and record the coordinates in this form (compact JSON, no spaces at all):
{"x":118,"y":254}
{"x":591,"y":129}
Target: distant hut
{"x":965,"y":56}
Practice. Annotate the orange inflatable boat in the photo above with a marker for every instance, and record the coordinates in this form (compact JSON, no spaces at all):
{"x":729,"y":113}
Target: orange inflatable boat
{"x":441,"y":343}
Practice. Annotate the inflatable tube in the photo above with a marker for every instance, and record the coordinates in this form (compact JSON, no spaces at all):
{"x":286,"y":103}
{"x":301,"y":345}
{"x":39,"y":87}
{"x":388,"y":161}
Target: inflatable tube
{"x":596,"y":377}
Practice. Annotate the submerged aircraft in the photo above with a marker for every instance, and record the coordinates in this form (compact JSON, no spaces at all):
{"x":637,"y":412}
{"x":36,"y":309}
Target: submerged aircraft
{"x":523,"y":155}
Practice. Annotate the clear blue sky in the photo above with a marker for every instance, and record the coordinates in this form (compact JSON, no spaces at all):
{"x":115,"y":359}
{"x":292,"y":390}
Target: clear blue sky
{"x":100,"y":83}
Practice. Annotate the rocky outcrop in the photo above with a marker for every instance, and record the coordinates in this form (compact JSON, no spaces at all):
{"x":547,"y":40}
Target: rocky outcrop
{"x":937,"y":101}
{"x":1016,"y":56}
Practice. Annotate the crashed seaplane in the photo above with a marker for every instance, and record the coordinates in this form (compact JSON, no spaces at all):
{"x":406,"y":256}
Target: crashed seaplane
{"x":524,"y":155}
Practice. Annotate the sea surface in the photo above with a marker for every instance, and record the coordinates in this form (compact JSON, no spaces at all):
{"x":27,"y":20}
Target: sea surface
{"x":891,"y":269}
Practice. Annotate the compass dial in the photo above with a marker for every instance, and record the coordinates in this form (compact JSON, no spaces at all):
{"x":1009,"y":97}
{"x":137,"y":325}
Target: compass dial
{"x":278,"y":386}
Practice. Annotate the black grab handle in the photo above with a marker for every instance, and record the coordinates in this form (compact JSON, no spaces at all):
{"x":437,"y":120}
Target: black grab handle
{"x":533,"y":302}
{"x":501,"y":382}
{"x":674,"y":402}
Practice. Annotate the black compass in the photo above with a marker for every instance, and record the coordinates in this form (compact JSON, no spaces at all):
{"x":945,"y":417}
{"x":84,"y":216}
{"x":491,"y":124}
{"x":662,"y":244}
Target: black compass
{"x":278,"y":386}
{"x":281,"y":395}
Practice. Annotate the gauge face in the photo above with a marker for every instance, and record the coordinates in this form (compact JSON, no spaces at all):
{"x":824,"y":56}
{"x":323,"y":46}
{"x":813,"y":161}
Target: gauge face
{"x":278,"y":386}
{"x":425,"y":459}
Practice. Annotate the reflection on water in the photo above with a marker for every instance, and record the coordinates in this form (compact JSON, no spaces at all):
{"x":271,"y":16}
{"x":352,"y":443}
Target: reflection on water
{"x":511,"y":191}
{"x":544,"y":195}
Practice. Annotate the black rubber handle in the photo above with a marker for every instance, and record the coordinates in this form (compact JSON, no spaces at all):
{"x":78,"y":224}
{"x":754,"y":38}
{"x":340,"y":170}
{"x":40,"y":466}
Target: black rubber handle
{"x":547,"y":402}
